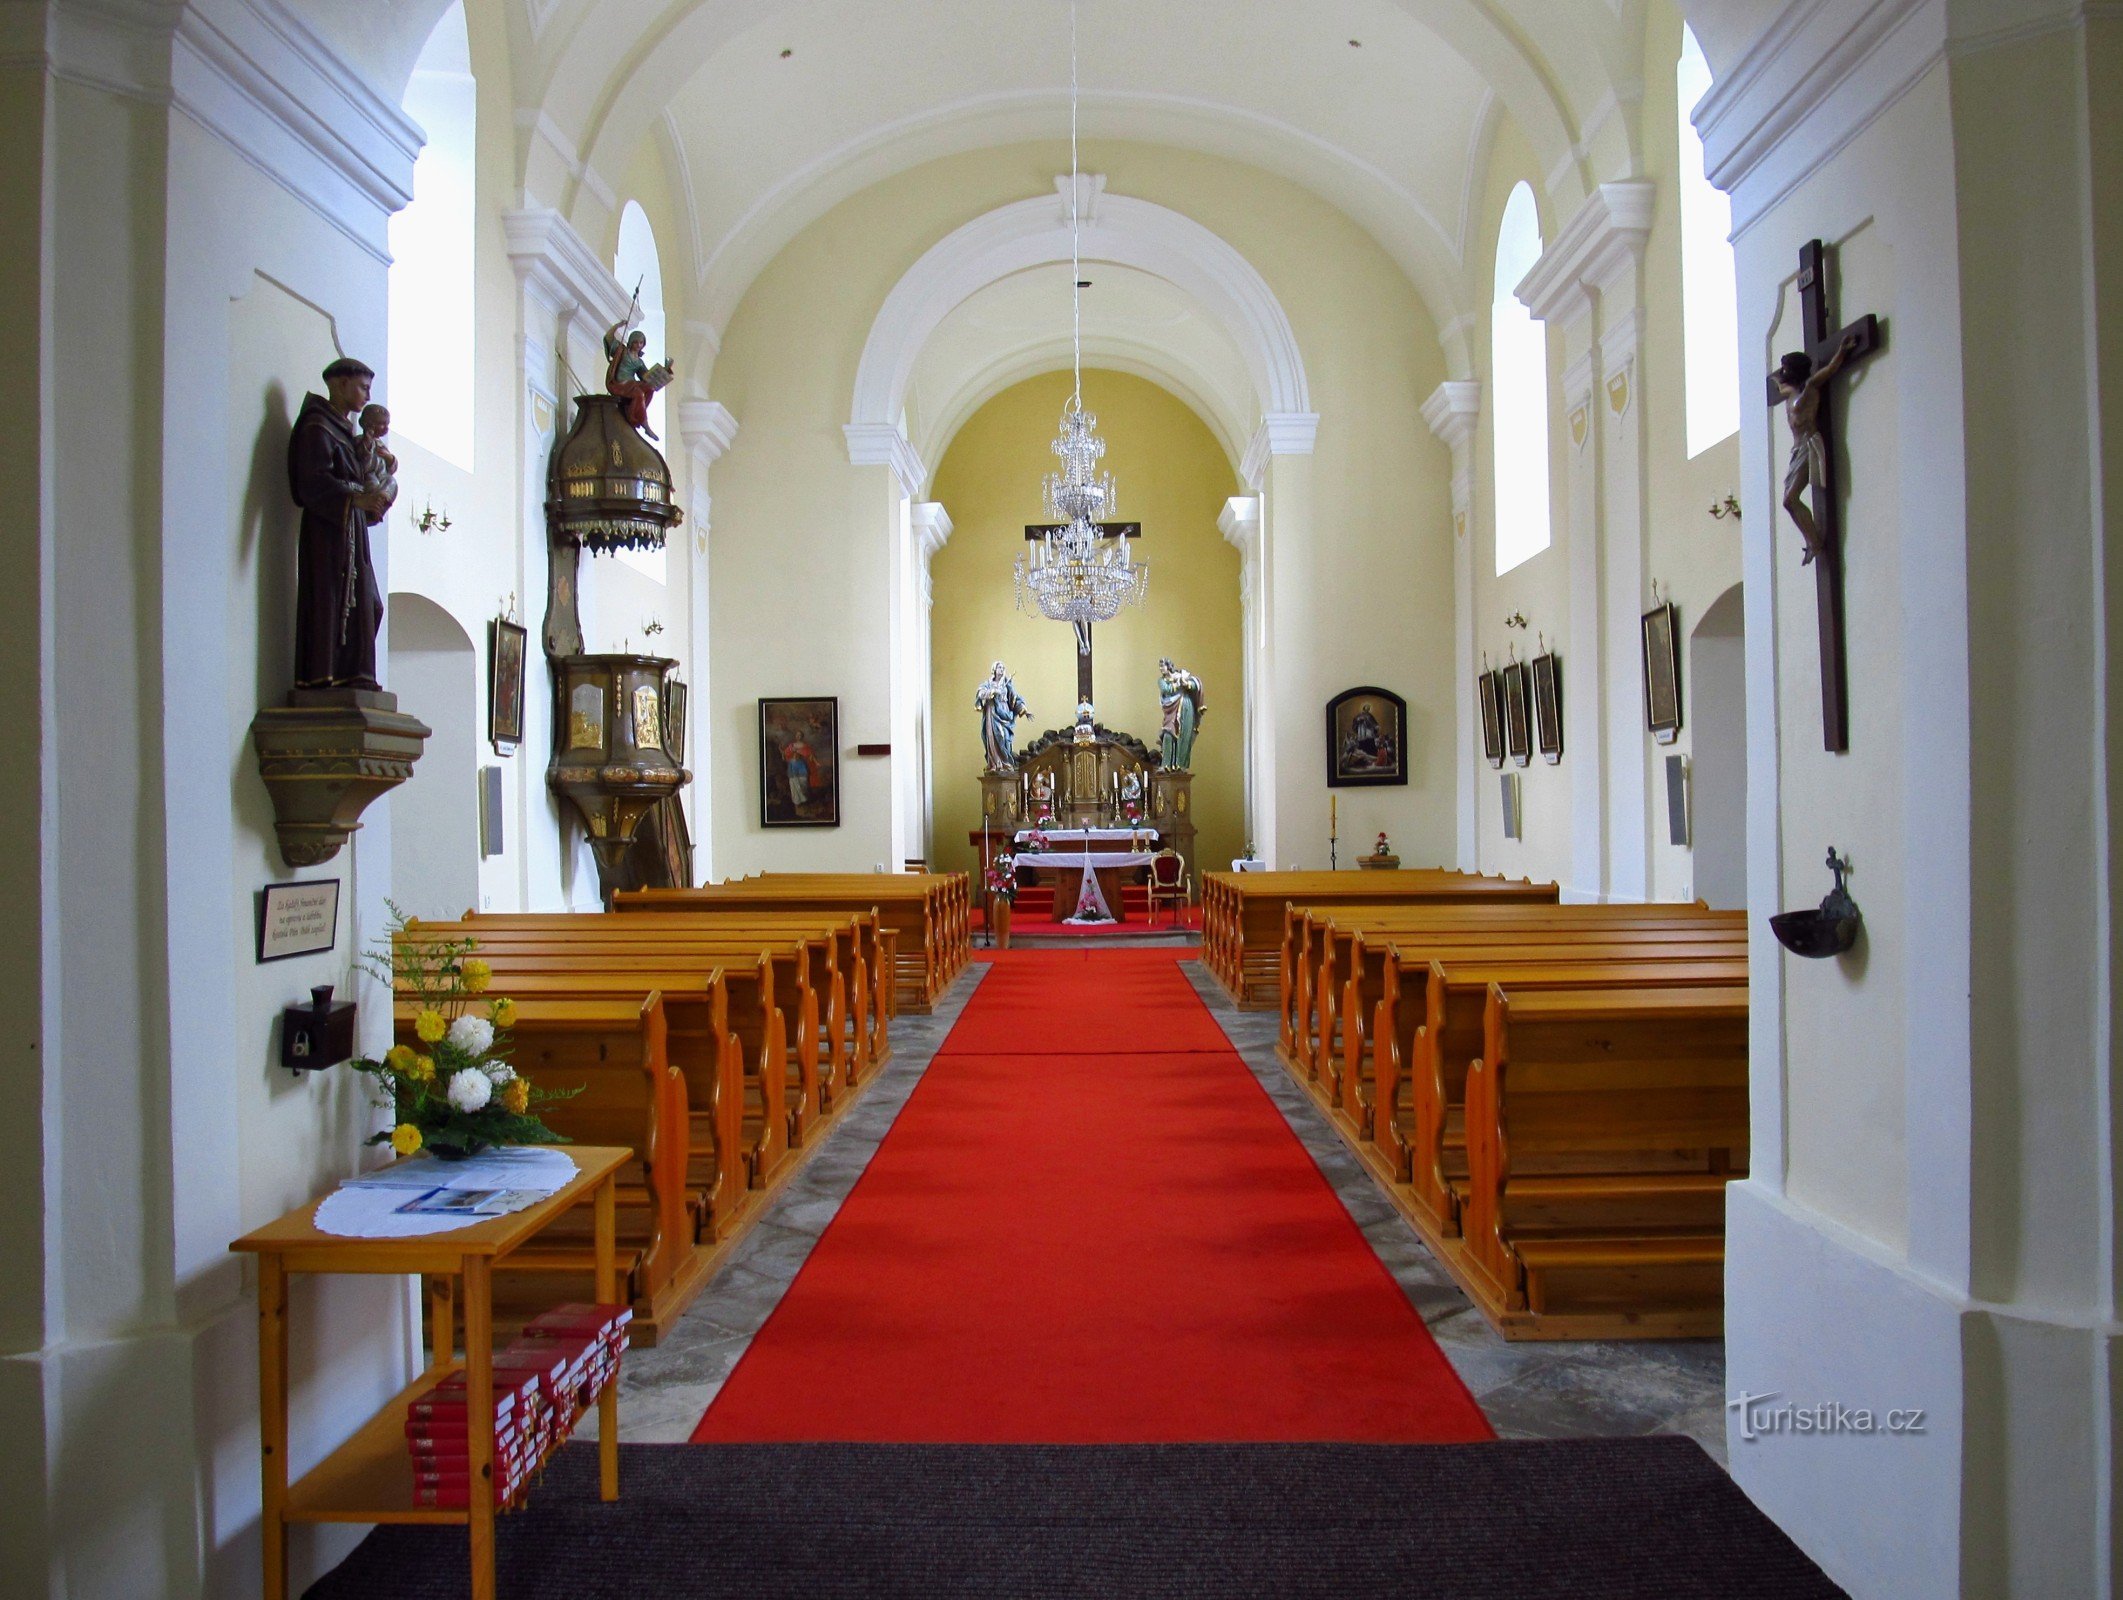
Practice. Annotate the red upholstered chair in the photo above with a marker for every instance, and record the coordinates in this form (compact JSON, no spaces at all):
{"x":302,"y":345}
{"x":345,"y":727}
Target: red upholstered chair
{"x":1169,"y":882}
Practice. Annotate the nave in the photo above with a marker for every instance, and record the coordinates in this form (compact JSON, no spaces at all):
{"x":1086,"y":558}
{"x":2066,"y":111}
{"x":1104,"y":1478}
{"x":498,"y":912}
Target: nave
{"x":1083,"y":1204}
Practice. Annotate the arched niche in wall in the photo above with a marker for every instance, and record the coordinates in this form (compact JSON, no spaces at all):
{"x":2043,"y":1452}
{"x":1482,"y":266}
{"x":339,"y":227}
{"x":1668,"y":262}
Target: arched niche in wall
{"x":1717,"y":712}
{"x":434,"y":671}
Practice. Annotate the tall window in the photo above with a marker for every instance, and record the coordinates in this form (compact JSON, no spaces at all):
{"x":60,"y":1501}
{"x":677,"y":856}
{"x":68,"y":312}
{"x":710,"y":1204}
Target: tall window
{"x":636,"y":262}
{"x":1710,"y":336}
{"x":430,"y":391}
{"x":1518,"y":361}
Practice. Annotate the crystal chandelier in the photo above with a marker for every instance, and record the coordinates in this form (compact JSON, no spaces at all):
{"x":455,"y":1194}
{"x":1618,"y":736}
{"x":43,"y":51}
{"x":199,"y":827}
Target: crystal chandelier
{"x":1073,"y":573}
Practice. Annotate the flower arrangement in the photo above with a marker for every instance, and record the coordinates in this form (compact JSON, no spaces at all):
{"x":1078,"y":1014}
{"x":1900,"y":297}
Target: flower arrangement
{"x":1036,"y":840}
{"x":1132,"y":812}
{"x":457,"y":1094}
{"x":1002,"y":877}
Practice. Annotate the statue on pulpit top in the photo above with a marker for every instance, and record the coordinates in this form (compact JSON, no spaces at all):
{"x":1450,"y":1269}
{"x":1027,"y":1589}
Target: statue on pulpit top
{"x":999,"y":705}
{"x":1179,"y":696}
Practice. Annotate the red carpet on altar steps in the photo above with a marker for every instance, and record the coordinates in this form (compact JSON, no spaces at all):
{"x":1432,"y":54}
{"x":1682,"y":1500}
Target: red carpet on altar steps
{"x":1090,"y":1225}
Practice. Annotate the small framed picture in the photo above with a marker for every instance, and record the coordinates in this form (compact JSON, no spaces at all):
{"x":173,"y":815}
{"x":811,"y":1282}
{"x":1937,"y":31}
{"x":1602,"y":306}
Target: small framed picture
{"x":1490,"y":691}
{"x":1366,"y":738}
{"x":1513,"y":822}
{"x":799,"y":763}
{"x":674,"y":720}
{"x":298,"y":919}
{"x":1518,"y":728}
{"x":1548,"y":707}
{"x":505,"y":652}
{"x":1662,"y":673}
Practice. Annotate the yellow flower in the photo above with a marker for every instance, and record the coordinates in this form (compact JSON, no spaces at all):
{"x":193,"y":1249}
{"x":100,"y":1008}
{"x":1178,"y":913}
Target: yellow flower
{"x":423,"y":1069}
{"x":405,"y":1138}
{"x":477,"y":975}
{"x":516,"y":1096}
{"x":428,"y":1023}
{"x":399,"y":1058}
{"x":503,"y":1012}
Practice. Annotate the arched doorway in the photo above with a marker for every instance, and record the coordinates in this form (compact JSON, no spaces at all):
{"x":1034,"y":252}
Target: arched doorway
{"x":1717,"y":683}
{"x":434,"y":671}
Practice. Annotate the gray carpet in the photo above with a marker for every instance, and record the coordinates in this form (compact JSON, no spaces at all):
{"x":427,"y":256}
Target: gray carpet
{"x":1590,"y":1519}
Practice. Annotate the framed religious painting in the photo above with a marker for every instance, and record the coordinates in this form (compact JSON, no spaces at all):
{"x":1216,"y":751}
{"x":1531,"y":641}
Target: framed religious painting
{"x":1489,"y":691}
{"x":1662,"y":672}
{"x":1367,"y":731}
{"x":1518,"y":722}
{"x":505,"y":656}
{"x":1548,"y":706}
{"x":799,"y":763}
{"x":674,"y":720}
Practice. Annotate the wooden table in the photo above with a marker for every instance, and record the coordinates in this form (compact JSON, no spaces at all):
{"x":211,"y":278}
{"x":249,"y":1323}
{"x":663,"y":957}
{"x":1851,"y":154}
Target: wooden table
{"x":370,"y":1477}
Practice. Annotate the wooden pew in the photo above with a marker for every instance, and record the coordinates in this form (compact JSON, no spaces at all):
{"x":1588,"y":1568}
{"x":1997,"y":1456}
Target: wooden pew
{"x":921,"y":911}
{"x":1628,"y":1246}
{"x":1244,"y":914}
{"x":1410,"y":1109}
{"x":615,"y":1049}
{"x":1324,"y":946}
{"x":952,"y":893}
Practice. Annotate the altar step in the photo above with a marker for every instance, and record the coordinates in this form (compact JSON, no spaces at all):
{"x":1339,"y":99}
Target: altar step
{"x":1035,"y":902}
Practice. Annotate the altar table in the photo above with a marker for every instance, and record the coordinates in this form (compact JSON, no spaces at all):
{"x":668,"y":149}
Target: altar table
{"x":1097,"y":877}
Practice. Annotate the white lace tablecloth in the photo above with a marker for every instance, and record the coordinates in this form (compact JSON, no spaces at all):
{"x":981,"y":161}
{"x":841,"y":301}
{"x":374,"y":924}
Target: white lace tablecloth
{"x":367,"y":1207}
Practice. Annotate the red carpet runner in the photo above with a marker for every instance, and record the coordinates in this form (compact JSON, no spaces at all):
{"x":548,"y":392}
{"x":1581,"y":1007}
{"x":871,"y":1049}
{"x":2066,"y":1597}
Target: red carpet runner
{"x":1089,"y":1224}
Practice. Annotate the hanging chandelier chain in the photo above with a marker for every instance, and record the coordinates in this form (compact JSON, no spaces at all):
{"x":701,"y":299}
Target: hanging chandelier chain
{"x":1076,"y":190}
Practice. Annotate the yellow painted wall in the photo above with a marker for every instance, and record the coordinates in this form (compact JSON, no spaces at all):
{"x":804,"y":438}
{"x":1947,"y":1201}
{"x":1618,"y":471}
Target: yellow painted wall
{"x":1173,"y":478}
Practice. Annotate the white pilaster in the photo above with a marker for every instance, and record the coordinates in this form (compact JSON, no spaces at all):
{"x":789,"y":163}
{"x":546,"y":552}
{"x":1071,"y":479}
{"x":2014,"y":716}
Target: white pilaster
{"x":707,"y":430}
{"x":930,"y":527}
{"x":1452,"y":411}
{"x":1240,"y":523}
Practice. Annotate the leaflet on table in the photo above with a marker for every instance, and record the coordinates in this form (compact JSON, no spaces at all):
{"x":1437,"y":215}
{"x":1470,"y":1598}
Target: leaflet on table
{"x":473,"y":1202}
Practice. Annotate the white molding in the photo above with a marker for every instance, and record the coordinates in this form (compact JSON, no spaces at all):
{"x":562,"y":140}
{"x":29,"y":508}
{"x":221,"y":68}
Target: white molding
{"x":1619,"y":340}
{"x":1577,"y":380}
{"x":1814,"y":78}
{"x":1089,"y":186}
{"x":540,"y":125}
{"x":707,"y":428}
{"x":931,"y":525}
{"x":1604,"y":239}
{"x":253,"y":74}
{"x":1281,"y":433}
{"x":1453,"y":409}
{"x":552,"y":260}
{"x":1240,"y":523}
{"x":882,"y":444}
{"x":1128,"y":232}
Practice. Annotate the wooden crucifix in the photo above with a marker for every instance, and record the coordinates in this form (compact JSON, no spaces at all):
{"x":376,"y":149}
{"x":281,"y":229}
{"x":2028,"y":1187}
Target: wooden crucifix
{"x":1106,"y":530}
{"x":1803,"y":385}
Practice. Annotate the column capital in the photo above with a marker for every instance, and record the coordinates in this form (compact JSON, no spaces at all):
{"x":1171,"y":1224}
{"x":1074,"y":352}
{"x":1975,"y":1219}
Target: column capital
{"x":1281,"y":433}
{"x":554,"y":262}
{"x":1452,"y":410}
{"x":1601,"y":242}
{"x":881,"y":444}
{"x":1240,"y":522}
{"x":932,"y":528}
{"x":707,"y":428}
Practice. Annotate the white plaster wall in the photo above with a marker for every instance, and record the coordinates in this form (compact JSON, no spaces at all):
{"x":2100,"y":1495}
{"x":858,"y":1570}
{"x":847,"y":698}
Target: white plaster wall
{"x":1717,"y":667}
{"x":435,"y":813}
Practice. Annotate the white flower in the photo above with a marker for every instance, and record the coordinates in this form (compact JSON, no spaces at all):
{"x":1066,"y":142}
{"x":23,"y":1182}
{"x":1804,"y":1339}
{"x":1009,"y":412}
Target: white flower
{"x":473,"y":1035}
{"x":498,"y":1072}
{"x":470,"y":1091}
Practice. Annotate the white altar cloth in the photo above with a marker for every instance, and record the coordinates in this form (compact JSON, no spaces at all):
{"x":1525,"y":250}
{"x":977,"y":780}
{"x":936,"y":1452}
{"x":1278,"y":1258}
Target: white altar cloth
{"x":1089,"y":897}
{"x":1091,"y":836}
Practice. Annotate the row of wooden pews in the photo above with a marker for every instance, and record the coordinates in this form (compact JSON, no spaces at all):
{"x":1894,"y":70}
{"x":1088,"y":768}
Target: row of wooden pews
{"x":1555,"y":1095}
{"x":716,"y":1045}
{"x":1244,"y":914}
{"x":930,"y":913}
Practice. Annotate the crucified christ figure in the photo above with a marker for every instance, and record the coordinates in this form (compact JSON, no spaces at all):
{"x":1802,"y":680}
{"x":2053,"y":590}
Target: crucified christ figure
{"x":1802,"y":386}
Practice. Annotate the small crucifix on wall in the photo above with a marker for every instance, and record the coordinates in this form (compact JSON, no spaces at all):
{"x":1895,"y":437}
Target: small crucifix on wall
{"x":1106,"y":530}
{"x":1802,"y":384}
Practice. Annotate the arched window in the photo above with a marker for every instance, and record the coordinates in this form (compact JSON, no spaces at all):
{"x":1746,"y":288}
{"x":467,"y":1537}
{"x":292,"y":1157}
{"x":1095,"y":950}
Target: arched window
{"x":636,"y":262}
{"x":1518,"y":362}
{"x":1710,"y":329}
{"x":430,"y":389}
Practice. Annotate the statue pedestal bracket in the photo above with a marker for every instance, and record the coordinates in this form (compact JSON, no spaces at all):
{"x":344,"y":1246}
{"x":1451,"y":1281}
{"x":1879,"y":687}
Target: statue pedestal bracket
{"x":324,"y":756}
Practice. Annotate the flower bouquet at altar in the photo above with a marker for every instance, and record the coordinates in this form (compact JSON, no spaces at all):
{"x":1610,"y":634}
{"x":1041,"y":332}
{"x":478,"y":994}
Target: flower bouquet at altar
{"x":1036,"y":841}
{"x":1001,"y":885}
{"x":456,"y":1093}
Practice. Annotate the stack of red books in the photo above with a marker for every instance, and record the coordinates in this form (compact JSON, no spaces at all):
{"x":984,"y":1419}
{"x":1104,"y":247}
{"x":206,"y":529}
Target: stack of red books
{"x":437,"y":1437}
{"x":585,"y":1342}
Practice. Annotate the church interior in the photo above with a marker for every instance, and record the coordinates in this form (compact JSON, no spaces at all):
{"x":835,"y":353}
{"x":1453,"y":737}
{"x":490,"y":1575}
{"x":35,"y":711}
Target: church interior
{"x":1048,"y":797}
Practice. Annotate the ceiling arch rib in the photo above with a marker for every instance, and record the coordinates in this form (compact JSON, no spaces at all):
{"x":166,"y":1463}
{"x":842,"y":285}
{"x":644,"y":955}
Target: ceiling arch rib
{"x":1125,"y":231}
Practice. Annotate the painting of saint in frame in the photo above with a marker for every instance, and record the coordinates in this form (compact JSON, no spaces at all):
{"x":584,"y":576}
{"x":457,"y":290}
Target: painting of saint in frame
{"x":799,"y":763}
{"x":505,"y":642}
{"x":1367,"y":730}
{"x":1548,"y":706}
{"x":1489,"y":690}
{"x":1518,"y":734}
{"x":1662,"y":673}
